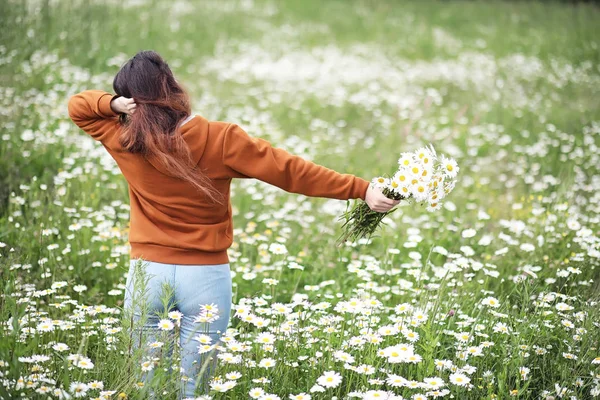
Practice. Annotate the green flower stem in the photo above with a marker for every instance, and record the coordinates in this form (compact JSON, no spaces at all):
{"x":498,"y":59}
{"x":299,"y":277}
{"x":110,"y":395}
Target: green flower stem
{"x":361,"y":221}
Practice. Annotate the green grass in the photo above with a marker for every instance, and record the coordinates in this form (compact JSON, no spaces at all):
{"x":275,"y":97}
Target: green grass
{"x":413,"y":73}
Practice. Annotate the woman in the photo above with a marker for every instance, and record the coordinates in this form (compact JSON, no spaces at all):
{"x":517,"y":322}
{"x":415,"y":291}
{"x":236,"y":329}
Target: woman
{"x":179,"y":169}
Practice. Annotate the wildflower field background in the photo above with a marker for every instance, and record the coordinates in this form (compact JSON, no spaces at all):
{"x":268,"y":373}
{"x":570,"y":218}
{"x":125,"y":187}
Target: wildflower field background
{"x":495,"y":296}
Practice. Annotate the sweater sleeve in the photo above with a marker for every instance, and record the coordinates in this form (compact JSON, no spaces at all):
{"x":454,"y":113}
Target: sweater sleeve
{"x":90,"y":110}
{"x":252,"y":157}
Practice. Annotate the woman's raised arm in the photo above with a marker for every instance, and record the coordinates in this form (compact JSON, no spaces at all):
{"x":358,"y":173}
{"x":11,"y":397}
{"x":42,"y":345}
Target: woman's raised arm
{"x":91,"y":111}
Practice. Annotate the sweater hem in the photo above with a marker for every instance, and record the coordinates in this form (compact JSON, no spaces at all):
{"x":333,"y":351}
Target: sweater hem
{"x":174,"y":255}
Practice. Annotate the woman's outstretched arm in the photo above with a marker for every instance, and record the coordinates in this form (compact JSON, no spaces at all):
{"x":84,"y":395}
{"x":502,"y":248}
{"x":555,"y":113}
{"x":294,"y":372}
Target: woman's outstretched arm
{"x":253,"y":157}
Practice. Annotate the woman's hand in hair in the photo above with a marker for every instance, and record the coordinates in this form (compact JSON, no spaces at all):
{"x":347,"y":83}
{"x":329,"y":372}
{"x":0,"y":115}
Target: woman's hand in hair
{"x":377,"y":201}
{"x":123,"y":105}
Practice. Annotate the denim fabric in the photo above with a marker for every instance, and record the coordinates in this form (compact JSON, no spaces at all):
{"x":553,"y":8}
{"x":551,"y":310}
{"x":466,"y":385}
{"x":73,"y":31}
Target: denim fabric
{"x":194,"y":285}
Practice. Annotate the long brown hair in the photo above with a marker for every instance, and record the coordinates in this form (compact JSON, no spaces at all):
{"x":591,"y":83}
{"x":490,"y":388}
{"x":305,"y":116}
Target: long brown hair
{"x":152,"y":130}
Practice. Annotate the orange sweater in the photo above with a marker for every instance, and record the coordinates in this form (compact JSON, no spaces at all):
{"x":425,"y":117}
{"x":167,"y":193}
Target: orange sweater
{"x":170,"y":221}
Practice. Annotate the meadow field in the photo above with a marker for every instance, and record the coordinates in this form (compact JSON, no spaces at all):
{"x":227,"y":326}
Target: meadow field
{"x":495,"y":296}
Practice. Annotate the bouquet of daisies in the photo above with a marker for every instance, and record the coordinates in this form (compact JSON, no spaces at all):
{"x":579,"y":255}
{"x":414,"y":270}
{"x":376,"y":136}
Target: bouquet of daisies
{"x":422,"y":177}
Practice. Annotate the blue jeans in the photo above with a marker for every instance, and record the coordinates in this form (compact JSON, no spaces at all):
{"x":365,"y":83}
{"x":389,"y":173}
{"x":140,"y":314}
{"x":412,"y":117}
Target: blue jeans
{"x":194,"y":286}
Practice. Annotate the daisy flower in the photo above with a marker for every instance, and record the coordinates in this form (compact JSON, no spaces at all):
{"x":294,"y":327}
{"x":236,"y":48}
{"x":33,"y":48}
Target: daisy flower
{"x":405,"y":160}
{"x":330,"y":379}
{"x":381,"y":182}
{"x":256,"y":393}
{"x":269,"y":396}
{"x":376,"y":395}
{"x":434,"y":383}
{"x":78,"y":388}
{"x":60,"y":347}
{"x":234,"y":375}
{"x":277,"y":248}
{"x":450,"y":167}
{"x":459,"y":379}
{"x":434,"y":207}
{"x":395,"y":185}
{"x":265,"y":338}
{"x":415,"y":170}
{"x":401,"y":177}
{"x":203,"y":339}
{"x":491,"y":302}
{"x":176,"y":316}
{"x":267,"y":363}
{"x":419,"y":192}
{"x":301,"y":396}
{"x":165,"y":325}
